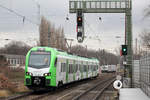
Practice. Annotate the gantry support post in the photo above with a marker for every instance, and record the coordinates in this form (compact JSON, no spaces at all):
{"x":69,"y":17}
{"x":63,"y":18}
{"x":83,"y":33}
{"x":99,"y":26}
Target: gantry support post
{"x":129,"y":43}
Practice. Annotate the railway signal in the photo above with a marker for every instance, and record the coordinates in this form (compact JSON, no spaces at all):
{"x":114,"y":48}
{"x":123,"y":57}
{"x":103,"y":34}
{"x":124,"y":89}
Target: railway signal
{"x":124,"y":50}
{"x":80,"y":26}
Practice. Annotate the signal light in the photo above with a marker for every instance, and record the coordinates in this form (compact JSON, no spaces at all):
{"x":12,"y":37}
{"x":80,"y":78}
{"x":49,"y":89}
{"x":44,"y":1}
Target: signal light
{"x":79,"y":18}
{"x":79,"y":21}
{"x":124,"y":49}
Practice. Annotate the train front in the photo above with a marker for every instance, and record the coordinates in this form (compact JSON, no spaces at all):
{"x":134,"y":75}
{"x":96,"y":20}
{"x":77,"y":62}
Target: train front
{"x":38,"y":68}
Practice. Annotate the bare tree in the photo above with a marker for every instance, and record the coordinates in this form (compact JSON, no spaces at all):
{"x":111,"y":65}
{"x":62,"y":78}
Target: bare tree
{"x":147,"y":12}
{"x":50,"y":36}
{"x":145,"y":37}
{"x":103,"y":56}
{"x":44,"y":31}
{"x":15,"y":47}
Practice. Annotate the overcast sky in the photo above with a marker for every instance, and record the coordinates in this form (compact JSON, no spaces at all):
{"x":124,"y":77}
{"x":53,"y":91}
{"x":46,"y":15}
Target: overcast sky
{"x":112,"y":25}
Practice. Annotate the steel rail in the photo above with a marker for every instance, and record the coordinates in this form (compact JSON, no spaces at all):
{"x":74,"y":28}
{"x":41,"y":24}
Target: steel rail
{"x":103,"y":89}
{"x":19,"y":96}
{"x":84,"y":93}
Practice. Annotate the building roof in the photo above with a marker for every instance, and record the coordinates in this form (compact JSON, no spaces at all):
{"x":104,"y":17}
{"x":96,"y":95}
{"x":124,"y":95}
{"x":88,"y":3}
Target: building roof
{"x":11,"y":56}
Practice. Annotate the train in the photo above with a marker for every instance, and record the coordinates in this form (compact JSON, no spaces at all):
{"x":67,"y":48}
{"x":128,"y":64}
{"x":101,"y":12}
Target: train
{"x":48,"y":67}
{"x":108,"y":68}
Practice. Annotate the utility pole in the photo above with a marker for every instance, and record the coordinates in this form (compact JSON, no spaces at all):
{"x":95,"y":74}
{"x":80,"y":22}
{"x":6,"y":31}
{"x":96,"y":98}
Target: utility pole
{"x":86,"y":50}
{"x":39,"y":13}
{"x":49,"y":32}
{"x":136,"y":46}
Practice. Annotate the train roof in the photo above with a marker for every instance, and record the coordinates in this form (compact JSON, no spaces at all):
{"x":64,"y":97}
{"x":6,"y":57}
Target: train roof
{"x":61,"y":53}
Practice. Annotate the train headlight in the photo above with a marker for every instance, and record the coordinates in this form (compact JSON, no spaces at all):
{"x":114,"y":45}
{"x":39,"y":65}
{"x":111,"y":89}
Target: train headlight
{"x":28,"y":73}
{"x":47,"y":74}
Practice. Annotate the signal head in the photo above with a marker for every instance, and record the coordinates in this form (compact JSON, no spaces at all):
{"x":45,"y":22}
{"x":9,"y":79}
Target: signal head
{"x":124,"y":49}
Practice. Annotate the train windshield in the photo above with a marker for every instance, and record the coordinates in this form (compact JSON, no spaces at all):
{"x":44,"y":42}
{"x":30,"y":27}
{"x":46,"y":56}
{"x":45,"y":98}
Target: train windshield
{"x":39,"y":60}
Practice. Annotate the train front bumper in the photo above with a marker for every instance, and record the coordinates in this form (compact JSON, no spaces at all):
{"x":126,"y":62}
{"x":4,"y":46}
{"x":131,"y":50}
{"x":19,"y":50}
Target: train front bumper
{"x":37,"y":81}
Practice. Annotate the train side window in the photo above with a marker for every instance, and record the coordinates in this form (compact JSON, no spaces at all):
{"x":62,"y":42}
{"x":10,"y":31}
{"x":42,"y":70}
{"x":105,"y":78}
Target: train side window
{"x":80,"y":67}
{"x":65,"y":67}
{"x":61,"y":67}
{"x":84,"y":68}
{"x":77,"y":67}
{"x":72,"y":68}
{"x":92,"y":67}
{"x":69,"y":68}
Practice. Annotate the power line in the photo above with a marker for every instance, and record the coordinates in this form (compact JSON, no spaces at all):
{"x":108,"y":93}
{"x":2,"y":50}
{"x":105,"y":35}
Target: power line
{"x":24,"y":18}
{"x":92,"y":31}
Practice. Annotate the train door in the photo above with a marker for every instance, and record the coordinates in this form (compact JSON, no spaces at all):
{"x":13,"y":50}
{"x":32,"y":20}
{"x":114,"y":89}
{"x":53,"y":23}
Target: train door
{"x":84,"y":69}
{"x":70,"y":70}
{"x":76,"y":72}
{"x":94,"y":69}
{"x":61,"y":70}
{"x":89,"y":70}
{"x":79,"y":71}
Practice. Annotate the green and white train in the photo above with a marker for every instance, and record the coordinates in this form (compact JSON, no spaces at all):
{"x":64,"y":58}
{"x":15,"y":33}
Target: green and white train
{"x":48,"y":67}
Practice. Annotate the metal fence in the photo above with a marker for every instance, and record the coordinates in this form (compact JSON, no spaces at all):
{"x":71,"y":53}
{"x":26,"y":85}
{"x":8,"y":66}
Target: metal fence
{"x":136,"y":73}
{"x":145,"y":74}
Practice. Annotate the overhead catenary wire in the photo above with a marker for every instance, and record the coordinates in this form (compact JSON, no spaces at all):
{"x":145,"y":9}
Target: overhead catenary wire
{"x":17,"y":14}
{"x":91,"y":30}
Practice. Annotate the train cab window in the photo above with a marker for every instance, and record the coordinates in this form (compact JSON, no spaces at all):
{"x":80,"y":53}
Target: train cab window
{"x":39,"y":59}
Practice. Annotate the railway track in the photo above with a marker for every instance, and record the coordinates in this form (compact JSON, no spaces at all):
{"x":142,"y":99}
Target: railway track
{"x":29,"y":96}
{"x":40,"y":95}
{"x":96,"y":91}
{"x":60,"y":92}
{"x":18,"y":96}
